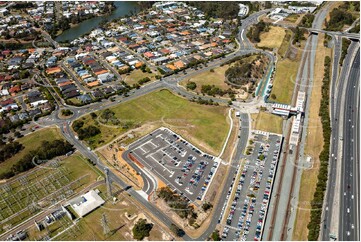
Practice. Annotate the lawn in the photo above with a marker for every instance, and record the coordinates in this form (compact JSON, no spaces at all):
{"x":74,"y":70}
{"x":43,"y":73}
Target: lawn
{"x":267,"y":122}
{"x":207,"y":126}
{"x":284,"y":80}
{"x":314,"y":144}
{"x":273,"y":38}
{"x":31,"y":142}
{"x":135,"y":75}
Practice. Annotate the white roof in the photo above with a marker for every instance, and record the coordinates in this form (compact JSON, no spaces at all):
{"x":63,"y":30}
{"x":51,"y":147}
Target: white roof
{"x":86,"y":203}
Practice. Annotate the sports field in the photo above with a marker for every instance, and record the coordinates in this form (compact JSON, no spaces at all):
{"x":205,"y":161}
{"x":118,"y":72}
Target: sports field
{"x":206,"y":126}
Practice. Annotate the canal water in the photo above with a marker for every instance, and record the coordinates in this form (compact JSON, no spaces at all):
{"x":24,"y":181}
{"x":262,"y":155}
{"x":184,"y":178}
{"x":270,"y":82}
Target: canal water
{"x":122,"y":9}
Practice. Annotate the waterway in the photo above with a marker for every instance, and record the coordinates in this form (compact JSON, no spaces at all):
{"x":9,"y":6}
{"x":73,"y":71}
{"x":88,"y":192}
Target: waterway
{"x":122,"y":9}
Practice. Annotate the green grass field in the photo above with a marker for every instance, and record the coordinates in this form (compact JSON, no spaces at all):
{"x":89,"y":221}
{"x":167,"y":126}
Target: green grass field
{"x":284,"y":81}
{"x":205,"y":125}
{"x":31,"y":142}
{"x":267,"y":122}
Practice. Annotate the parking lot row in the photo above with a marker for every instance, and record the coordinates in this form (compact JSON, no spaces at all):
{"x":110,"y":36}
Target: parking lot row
{"x":183,"y":167}
{"x":253,"y":192}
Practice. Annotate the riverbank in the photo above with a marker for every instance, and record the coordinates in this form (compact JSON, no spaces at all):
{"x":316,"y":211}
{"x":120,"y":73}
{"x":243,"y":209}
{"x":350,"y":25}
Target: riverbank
{"x":121,"y":10}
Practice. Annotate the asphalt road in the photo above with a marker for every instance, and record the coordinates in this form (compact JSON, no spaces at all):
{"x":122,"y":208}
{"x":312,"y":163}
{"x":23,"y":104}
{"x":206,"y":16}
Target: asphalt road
{"x":349,"y":203}
{"x":336,"y":116}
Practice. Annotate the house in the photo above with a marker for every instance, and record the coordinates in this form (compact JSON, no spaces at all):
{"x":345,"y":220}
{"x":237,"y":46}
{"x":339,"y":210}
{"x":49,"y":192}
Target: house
{"x":15,"y":89}
{"x":179,"y":64}
{"x":85,"y":98}
{"x":53,"y":70}
{"x":97,"y":94}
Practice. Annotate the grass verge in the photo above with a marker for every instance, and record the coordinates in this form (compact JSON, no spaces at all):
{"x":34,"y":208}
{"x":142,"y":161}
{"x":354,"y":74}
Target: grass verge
{"x":267,"y":122}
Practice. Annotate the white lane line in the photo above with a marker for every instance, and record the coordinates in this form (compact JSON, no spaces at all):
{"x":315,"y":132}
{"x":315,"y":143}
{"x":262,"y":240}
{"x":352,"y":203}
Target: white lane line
{"x":242,"y":35}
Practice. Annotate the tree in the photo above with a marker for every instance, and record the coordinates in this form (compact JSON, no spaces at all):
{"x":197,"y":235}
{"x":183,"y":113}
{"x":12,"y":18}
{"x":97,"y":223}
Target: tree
{"x":141,"y":229}
{"x":215,"y":235}
{"x":206,"y":206}
{"x":273,"y":96}
{"x":191,"y":85}
{"x":93,"y":115}
{"x":177,"y":231}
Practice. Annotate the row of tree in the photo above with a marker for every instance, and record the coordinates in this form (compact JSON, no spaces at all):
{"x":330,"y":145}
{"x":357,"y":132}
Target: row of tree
{"x":318,"y":196}
{"x":345,"y":44}
{"x":202,"y":101}
{"x":46,"y":151}
{"x":10,"y":150}
{"x":212,"y":90}
{"x":178,"y":203}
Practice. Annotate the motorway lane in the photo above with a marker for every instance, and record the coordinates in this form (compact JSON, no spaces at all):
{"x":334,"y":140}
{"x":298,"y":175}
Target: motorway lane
{"x":349,"y":187}
{"x":336,"y":115}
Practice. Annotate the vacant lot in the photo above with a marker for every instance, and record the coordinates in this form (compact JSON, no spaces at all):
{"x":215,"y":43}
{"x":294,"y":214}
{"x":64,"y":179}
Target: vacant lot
{"x":273,"y":38}
{"x":31,"y":142}
{"x":267,"y":122}
{"x":314,"y":144}
{"x":136,"y":75}
{"x":292,"y":18}
{"x":210,"y":78}
{"x":205,"y":126}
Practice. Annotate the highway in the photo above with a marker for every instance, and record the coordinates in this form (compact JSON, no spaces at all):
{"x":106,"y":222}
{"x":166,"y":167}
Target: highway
{"x":331,"y":201}
{"x":349,"y":195}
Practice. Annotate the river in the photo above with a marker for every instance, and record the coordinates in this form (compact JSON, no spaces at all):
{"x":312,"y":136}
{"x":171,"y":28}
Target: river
{"x":122,"y":9}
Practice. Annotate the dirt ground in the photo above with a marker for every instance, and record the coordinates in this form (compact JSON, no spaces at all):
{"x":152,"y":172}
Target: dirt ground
{"x":113,"y":154}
